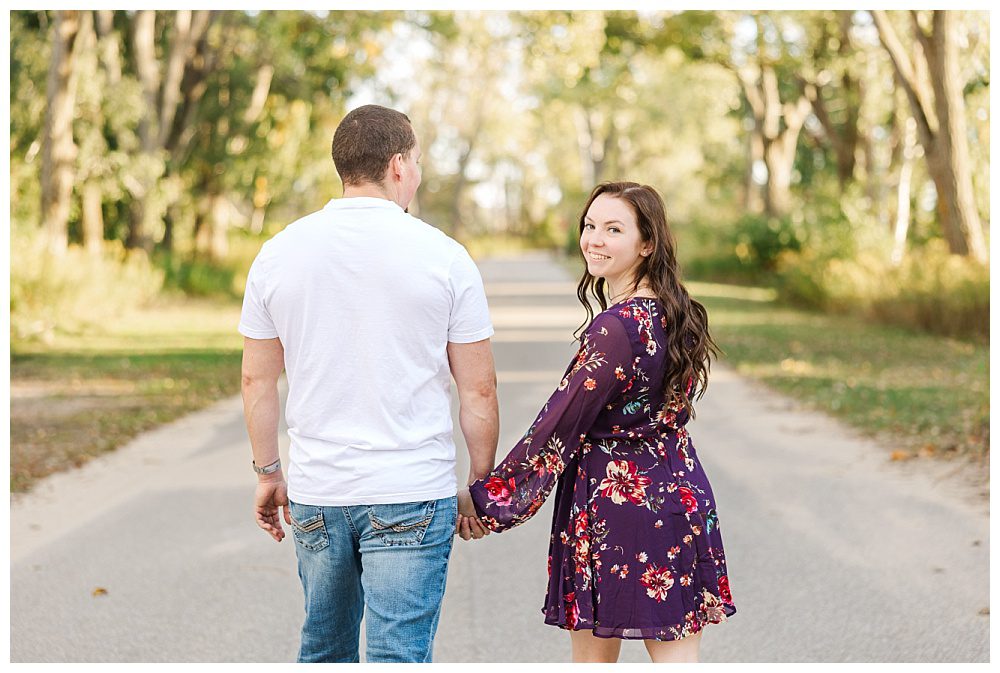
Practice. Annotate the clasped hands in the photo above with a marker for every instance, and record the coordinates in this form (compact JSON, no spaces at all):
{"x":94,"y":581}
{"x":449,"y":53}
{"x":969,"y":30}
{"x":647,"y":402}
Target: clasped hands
{"x":468,"y":526}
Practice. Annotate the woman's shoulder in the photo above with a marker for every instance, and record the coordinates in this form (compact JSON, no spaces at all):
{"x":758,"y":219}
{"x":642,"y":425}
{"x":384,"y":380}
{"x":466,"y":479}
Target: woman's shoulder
{"x":621,"y":320}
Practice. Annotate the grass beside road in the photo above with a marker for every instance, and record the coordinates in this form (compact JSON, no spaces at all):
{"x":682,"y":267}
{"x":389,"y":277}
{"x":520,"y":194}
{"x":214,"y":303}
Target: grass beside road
{"x":920,"y":394}
{"x":81,"y":396}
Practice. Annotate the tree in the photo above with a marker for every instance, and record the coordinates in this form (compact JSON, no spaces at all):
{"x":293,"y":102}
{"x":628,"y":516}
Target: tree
{"x":58,"y":148}
{"x":164,"y":98}
{"x":934,"y":89}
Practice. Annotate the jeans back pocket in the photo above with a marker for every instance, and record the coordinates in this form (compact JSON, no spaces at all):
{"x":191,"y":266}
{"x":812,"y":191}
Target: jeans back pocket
{"x":308,"y":526}
{"x":402,"y":523}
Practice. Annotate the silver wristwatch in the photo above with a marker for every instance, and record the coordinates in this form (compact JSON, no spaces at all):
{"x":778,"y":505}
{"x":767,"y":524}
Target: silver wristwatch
{"x":268,"y":469}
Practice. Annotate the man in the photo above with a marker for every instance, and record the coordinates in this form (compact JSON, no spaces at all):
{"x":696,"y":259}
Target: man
{"x":368,"y":310}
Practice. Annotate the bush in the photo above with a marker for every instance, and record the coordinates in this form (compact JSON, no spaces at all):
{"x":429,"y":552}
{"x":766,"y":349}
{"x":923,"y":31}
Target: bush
{"x":931,"y":289}
{"x":761,"y":239}
{"x":198,"y":276}
{"x":74,"y":291}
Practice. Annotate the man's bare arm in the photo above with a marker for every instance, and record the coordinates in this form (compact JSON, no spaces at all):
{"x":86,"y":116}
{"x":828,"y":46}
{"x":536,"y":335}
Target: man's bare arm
{"x":263,"y":361}
{"x":476,"y":378}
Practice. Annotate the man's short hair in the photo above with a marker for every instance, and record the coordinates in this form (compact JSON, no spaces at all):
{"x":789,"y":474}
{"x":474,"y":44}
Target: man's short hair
{"x":367,"y":139}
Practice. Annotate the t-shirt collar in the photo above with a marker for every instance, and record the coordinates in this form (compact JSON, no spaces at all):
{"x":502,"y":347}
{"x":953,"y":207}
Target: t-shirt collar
{"x":363,"y":202}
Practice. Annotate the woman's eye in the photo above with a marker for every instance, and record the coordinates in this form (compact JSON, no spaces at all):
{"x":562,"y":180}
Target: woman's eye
{"x":615,"y":229}
{"x":588,"y":225}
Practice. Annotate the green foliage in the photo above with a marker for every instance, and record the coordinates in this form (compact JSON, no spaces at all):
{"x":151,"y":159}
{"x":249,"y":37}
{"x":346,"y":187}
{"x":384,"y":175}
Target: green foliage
{"x":75,"y":291}
{"x":200,"y":276}
{"x":761,"y":239}
{"x":197,"y":277}
{"x":930,"y":290}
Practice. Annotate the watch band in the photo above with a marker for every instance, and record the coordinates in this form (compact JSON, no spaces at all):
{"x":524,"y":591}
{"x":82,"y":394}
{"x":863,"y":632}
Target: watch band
{"x":267,"y":469}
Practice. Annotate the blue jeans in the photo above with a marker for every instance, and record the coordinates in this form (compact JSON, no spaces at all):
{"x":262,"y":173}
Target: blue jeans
{"x":390,"y":559}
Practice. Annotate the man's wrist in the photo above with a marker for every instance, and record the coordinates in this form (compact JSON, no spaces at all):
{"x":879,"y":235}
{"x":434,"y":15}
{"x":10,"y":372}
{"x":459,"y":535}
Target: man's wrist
{"x":273,"y":478}
{"x":476,"y":476}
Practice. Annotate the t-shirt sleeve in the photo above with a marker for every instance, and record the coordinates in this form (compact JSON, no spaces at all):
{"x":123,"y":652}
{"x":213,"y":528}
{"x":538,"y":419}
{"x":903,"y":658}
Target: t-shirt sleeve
{"x":470,"y":314}
{"x":255,"y":320}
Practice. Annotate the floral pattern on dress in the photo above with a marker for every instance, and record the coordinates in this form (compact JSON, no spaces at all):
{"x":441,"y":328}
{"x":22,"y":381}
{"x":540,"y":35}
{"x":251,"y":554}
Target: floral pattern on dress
{"x":635,"y":550}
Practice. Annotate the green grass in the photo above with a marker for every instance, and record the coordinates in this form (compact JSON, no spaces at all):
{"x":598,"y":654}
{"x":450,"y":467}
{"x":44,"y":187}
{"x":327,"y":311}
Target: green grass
{"x":83,"y":395}
{"x":922,"y":392}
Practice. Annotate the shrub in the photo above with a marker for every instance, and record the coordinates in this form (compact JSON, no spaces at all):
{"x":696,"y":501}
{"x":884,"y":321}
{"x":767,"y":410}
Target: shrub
{"x":931,"y":289}
{"x":76,"y":290}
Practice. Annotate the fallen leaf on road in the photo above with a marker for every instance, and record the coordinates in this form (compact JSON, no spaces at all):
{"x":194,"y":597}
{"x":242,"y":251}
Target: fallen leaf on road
{"x":99,"y":591}
{"x":900,"y":455}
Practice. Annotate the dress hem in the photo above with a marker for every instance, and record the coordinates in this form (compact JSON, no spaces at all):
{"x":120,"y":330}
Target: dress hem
{"x":667,"y":633}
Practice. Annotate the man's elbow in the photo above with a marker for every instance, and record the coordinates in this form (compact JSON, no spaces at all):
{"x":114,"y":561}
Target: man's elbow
{"x":486,"y":390}
{"x":251,"y":380}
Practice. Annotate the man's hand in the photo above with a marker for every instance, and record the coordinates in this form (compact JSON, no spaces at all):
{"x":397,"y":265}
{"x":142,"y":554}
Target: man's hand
{"x":269,"y":497}
{"x":468,"y":526}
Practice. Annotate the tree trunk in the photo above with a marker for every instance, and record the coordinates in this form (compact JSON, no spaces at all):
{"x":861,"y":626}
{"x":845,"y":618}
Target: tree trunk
{"x":780,"y":144}
{"x":903,"y":192}
{"x":92,"y":217}
{"x":752,"y":200}
{"x":211,"y":228}
{"x":956,"y":202}
{"x":58,"y":149}
{"x":941,"y":124}
{"x":144,"y":48}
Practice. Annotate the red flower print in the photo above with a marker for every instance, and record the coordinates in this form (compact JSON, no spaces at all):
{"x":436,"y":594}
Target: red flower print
{"x":724,"y":590}
{"x":554,"y":462}
{"x":590,"y":383}
{"x":623,"y":482}
{"x":537,"y":463}
{"x":711,"y":608}
{"x":581,"y":523}
{"x":619,"y":373}
{"x":688,"y":499}
{"x":500,"y":491}
{"x":582,"y":555}
{"x":572,"y":610}
{"x":625,"y":313}
{"x":657,"y":581}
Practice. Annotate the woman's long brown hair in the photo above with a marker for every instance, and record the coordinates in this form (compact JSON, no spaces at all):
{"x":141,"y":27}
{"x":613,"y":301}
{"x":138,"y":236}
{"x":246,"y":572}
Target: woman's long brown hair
{"x":689,"y":346}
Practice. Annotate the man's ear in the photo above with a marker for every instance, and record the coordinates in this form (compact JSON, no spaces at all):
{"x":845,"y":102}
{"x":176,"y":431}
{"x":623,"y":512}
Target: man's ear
{"x":396,"y":166}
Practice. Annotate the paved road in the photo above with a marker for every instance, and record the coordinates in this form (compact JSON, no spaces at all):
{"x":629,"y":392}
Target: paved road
{"x":835,"y":553}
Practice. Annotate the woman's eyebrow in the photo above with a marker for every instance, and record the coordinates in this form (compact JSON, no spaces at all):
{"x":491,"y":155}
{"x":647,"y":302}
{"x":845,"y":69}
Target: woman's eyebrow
{"x":588,"y":219}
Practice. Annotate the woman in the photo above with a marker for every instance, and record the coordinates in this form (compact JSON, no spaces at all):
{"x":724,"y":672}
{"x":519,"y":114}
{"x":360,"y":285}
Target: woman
{"x":635,"y":550}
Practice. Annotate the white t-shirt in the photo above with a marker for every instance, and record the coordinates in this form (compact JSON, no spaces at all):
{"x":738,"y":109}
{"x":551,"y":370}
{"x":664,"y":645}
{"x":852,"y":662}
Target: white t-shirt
{"x":365,"y":299}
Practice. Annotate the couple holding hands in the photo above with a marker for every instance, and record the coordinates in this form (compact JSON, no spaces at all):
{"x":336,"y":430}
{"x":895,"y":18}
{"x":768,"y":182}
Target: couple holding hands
{"x":372,"y":312}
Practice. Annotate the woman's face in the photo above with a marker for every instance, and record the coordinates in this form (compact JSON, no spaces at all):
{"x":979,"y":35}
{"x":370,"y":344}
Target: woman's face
{"x":611,"y":241}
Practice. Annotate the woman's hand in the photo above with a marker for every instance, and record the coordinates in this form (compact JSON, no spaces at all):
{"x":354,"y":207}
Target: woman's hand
{"x":468,"y":526}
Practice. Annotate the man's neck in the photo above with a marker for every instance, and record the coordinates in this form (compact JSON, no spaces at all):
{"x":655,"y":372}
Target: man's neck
{"x":367,"y":189}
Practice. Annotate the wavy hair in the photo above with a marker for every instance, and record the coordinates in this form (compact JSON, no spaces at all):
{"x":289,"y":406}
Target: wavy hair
{"x":689,"y":346}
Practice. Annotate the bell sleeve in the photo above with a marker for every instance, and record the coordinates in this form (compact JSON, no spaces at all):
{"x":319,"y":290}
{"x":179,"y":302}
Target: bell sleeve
{"x":602,"y":370}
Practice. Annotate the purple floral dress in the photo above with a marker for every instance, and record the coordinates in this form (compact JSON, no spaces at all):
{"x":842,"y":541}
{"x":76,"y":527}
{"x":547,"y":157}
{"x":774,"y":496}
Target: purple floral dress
{"x":636,"y":550}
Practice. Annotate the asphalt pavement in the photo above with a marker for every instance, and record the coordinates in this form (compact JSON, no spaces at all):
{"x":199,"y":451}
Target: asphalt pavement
{"x":835,"y":552}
